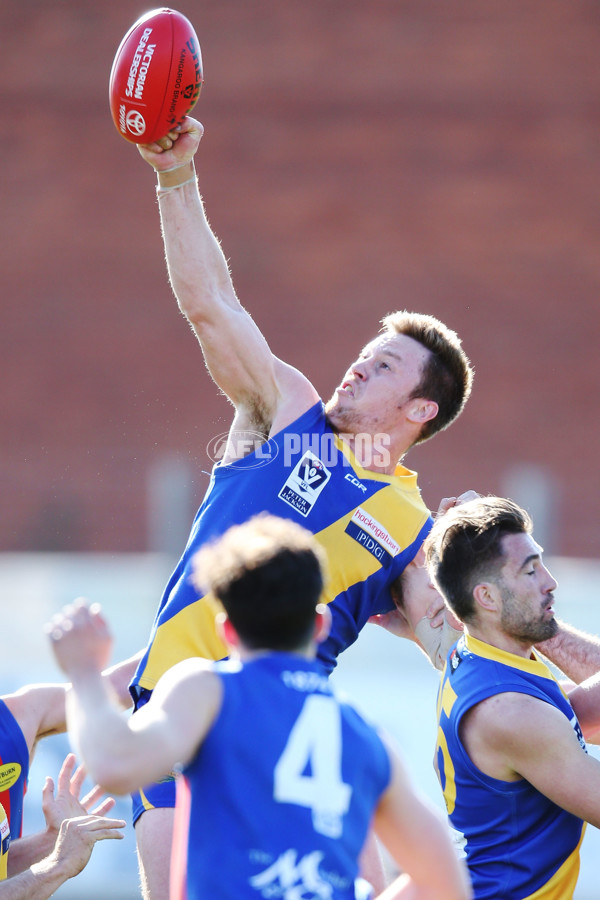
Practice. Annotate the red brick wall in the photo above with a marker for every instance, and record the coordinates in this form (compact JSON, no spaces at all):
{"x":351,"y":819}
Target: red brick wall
{"x":358,"y":157}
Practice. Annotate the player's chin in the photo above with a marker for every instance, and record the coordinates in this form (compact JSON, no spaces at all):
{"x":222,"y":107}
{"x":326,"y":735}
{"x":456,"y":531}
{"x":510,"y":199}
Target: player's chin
{"x":547,"y":629}
{"x":331,"y":405}
{"x":334,"y":412}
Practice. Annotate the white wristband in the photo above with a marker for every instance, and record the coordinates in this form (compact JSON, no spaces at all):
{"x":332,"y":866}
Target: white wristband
{"x":165,"y":190}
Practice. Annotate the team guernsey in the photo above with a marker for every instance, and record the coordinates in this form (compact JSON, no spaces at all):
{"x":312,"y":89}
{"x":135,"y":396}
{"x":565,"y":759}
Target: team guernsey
{"x":4,"y":843}
{"x":305,"y":751}
{"x":518,"y":843}
{"x":14,"y":769}
{"x":370,"y":525}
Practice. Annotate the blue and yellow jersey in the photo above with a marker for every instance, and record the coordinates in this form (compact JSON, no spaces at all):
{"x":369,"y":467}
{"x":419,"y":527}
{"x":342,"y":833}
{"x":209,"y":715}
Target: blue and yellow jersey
{"x":518,"y":843}
{"x":280,"y":803}
{"x":4,"y":843}
{"x":14,"y":769}
{"x":370,"y":525}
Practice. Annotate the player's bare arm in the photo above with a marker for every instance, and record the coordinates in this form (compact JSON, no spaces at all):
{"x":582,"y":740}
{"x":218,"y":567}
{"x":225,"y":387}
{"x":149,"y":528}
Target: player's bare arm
{"x":574,"y":652}
{"x":129,"y":753}
{"x":585,"y":700}
{"x":123,"y":755}
{"x":68,"y":857}
{"x":261,"y":387}
{"x":40,"y":709}
{"x":503,"y":736}
{"x":415,"y":833}
{"x":57,"y":806}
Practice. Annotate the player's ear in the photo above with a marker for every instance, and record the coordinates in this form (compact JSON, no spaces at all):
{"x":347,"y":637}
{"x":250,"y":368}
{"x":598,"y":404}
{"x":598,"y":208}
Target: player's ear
{"x":322,"y":623}
{"x":420,"y":410}
{"x":225,"y":630}
{"x":486,"y":595}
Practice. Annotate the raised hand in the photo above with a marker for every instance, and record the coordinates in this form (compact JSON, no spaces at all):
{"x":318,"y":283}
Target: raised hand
{"x":66,"y":803}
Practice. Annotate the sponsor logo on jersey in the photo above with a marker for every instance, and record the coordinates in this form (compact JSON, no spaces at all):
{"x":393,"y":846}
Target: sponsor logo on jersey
{"x":371,"y":535}
{"x":4,"y":832}
{"x":9,"y":775}
{"x":353,"y":480}
{"x":290,"y":878}
{"x":305,"y":483}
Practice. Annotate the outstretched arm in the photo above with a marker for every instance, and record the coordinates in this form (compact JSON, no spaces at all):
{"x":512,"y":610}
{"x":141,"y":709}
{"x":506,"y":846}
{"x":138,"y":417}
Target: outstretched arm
{"x":574,"y":652}
{"x":268,"y":393}
{"x":122,"y":754}
{"x":418,"y":838}
{"x":585,"y":700}
{"x":40,"y":709}
{"x":514,"y":735}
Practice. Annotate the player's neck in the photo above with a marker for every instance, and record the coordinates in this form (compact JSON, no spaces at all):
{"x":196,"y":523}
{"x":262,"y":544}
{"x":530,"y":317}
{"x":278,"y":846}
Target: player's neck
{"x":245,"y":654}
{"x":375,"y":453}
{"x":496,"y":637}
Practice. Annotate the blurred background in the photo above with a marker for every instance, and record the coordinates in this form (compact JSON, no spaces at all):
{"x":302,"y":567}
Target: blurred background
{"x":358,"y":158}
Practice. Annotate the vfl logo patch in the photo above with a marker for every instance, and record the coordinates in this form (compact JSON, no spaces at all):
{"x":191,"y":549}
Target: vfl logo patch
{"x":455,"y":661}
{"x":371,"y":535}
{"x":304,"y":484}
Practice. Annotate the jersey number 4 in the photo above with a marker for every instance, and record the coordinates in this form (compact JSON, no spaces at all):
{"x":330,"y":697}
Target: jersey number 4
{"x":309,"y":771}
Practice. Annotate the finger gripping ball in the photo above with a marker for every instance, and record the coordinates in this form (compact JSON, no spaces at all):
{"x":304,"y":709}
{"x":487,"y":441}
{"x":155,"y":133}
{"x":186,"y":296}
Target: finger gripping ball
{"x":156,"y":76}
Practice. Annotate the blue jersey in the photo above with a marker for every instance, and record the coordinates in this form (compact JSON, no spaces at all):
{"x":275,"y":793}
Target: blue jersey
{"x":14,"y":769}
{"x":279,"y":798}
{"x":517,"y":841}
{"x":370,"y":525}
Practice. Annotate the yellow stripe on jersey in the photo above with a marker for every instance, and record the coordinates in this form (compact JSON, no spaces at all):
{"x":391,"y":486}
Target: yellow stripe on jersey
{"x":4,"y":843}
{"x":535,"y":666}
{"x":398,"y":508}
{"x":348,"y":562}
{"x":562,"y":885}
{"x":192,"y":632}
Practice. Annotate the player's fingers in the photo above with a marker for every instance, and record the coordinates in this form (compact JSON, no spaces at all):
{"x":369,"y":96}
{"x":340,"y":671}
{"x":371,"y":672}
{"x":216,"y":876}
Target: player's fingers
{"x":92,"y":796}
{"x":453,"y":621}
{"x":445,"y":504}
{"x":66,"y":772}
{"x":48,"y":790}
{"x":102,"y":808}
{"x":466,"y":497}
{"x":191,"y":126}
{"x":77,"y":781}
{"x":100,"y":827}
{"x":435,"y":617}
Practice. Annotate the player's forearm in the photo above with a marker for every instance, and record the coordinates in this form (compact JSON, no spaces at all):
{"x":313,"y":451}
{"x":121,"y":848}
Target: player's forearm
{"x":120,"y":676}
{"x":585,"y":700}
{"x":574,"y":652}
{"x":101,"y":735}
{"x":38,"y":882}
{"x":28,"y":850}
{"x":404,"y":888}
{"x":197,"y":267}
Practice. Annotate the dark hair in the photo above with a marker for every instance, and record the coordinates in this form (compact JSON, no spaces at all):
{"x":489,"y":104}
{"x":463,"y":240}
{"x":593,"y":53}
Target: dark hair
{"x":268,"y":573}
{"x":447,"y":376}
{"x":464,"y":547}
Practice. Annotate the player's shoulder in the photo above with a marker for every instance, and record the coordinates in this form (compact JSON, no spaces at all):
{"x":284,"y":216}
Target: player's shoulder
{"x":506,"y":714}
{"x":296,"y":395}
{"x":193,"y":669}
{"x":38,"y":710}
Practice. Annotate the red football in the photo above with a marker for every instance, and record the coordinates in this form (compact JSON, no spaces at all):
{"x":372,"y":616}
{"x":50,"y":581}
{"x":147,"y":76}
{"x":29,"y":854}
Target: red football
{"x":156,"y":76}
